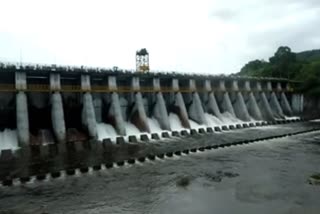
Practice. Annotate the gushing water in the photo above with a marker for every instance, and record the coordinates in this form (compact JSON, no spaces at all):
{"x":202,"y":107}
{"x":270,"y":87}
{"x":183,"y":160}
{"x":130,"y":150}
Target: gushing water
{"x":160,"y":112}
{"x":253,"y":107}
{"x":297,"y":103}
{"x":22,"y":118}
{"x":88,"y":115}
{"x":227,"y":105}
{"x":175,"y":122}
{"x":195,"y":125}
{"x":228,"y":118}
{"x":131,"y":129}
{"x":285,"y":104}
{"x":141,"y":110}
{"x":57,"y":115}
{"x":241,"y":108}
{"x":183,"y":111}
{"x":212,"y":120}
{"x":116,"y":111}
{"x":213,"y":106}
{"x":154,"y":125}
{"x":8,"y":140}
{"x":97,"y":104}
{"x":106,"y":131}
{"x":265,"y":107}
{"x":277,"y":110}
{"x":196,"y":111}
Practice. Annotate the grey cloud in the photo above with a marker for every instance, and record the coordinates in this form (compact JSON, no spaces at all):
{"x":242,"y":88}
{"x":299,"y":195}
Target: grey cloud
{"x":268,"y":24}
{"x":252,"y":11}
{"x":224,"y":14}
{"x":306,"y":3}
{"x":299,"y":36}
{"x":247,"y":30}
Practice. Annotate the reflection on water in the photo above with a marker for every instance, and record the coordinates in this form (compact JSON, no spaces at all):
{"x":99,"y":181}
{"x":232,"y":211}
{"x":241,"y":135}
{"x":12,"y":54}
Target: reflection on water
{"x":269,"y":177}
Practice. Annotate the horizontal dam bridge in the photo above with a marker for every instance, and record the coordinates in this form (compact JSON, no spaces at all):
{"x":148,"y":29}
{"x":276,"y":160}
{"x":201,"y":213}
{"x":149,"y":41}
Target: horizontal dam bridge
{"x":51,"y":104}
{"x":124,"y":89}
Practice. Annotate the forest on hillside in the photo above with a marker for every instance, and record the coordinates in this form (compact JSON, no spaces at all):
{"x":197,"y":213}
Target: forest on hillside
{"x":303,"y":67}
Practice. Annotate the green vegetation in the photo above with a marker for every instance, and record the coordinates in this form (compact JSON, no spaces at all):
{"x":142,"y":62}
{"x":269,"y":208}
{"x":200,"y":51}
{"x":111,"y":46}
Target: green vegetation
{"x":303,"y":67}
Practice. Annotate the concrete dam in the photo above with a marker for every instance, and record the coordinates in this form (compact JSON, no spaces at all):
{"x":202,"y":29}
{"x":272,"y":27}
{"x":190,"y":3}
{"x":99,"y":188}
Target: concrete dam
{"x":51,"y":113}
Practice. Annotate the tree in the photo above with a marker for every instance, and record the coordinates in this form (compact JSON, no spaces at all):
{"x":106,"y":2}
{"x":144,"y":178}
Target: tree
{"x":310,"y":75}
{"x":253,"y":68}
{"x":283,"y":58}
{"x":303,"y":67}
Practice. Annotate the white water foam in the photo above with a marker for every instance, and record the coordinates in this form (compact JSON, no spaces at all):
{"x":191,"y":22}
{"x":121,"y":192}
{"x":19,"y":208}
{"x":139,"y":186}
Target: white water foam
{"x":316,"y":120}
{"x":195,"y":125}
{"x":131,"y":129}
{"x":228,"y":118}
{"x":175,"y":122}
{"x":106,"y":131}
{"x":154,"y":125}
{"x":291,"y":118}
{"x":8,"y":139}
{"x":212,"y":120}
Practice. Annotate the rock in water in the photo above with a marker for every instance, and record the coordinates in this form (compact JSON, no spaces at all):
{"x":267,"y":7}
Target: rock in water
{"x":314,"y":179}
{"x":183,"y":182}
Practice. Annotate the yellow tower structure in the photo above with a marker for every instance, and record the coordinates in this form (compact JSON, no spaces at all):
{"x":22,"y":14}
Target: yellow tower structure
{"x":142,"y":61}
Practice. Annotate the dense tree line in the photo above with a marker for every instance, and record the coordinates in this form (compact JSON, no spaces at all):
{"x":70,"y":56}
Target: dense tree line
{"x":303,"y":66}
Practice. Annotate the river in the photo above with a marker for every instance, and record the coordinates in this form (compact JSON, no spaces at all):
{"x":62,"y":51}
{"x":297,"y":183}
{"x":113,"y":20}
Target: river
{"x":265,"y":177}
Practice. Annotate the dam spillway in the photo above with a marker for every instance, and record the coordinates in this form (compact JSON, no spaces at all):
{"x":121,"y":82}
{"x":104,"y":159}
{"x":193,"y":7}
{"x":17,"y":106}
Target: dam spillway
{"x":54,"y":104}
{"x":51,"y":114}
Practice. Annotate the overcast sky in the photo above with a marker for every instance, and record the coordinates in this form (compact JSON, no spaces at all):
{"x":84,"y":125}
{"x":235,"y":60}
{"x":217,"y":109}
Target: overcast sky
{"x":203,"y":36}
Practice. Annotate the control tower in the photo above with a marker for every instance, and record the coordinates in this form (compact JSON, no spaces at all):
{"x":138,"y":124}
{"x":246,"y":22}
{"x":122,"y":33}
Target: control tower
{"x":142,"y":61}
